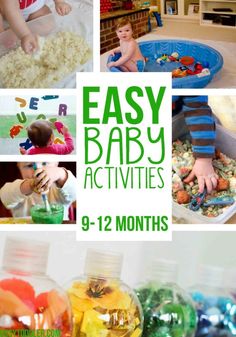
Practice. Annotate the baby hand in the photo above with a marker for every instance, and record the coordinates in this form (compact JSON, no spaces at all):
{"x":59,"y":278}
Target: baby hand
{"x":111,"y":64}
{"x":44,"y":178}
{"x":23,"y":150}
{"x":29,"y":43}
{"x":62,"y":8}
{"x":203,"y":170}
{"x":64,"y":129}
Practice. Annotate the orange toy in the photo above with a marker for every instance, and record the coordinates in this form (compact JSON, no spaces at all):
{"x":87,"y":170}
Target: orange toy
{"x":178,"y":73}
{"x":187,"y":60}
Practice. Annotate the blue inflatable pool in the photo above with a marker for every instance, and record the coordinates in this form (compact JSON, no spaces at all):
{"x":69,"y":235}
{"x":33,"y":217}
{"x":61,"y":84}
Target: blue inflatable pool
{"x":152,"y":50}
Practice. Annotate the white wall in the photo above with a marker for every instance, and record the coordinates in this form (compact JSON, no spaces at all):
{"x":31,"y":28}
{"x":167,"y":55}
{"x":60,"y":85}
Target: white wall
{"x":188,"y":248}
{"x":224,"y":107}
{"x":48,"y":107}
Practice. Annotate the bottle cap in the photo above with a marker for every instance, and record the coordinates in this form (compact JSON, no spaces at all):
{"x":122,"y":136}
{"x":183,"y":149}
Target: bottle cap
{"x":164,"y":270}
{"x":24,"y":256}
{"x":103,"y":264}
{"x":211,"y":276}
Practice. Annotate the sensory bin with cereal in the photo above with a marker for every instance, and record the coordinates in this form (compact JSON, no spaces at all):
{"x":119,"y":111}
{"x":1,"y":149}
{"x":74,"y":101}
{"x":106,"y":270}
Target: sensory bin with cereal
{"x":65,"y":45}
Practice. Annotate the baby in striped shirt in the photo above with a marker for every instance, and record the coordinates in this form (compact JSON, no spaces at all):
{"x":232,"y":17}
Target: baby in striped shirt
{"x":16,"y":12}
{"x":201,"y":124}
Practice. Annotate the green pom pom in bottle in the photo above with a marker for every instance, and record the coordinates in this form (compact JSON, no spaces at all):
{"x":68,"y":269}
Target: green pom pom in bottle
{"x":168,"y":309}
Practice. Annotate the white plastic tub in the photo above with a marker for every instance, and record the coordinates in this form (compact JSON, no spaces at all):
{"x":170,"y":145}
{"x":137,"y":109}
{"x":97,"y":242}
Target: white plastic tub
{"x":78,"y":21}
{"x":226,"y":142}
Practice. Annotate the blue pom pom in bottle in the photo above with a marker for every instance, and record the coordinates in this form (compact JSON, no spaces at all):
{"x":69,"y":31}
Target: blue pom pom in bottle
{"x":215,"y":306}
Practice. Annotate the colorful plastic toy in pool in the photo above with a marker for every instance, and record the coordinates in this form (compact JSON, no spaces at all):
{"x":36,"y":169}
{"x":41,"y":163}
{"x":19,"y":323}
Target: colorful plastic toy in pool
{"x":180,"y":72}
{"x":201,"y":53}
{"x":187,"y":60}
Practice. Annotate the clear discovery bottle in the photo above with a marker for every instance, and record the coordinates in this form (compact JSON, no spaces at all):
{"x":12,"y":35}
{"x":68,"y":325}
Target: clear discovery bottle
{"x":215,"y":306}
{"x":168,"y":310}
{"x":29,"y":299}
{"x":230,"y":281}
{"x":102,"y":305}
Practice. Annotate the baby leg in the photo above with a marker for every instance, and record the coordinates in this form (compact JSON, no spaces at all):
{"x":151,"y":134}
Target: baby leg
{"x":41,"y":12}
{"x":9,"y":40}
{"x":130,"y":66}
{"x":124,"y":68}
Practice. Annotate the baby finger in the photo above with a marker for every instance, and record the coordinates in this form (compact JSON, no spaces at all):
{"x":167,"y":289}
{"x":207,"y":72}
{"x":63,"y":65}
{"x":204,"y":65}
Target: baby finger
{"x":43,"y":182}
{"x":214,"y":181}
{"x":209,"y":186}
{"x":40,"y":177}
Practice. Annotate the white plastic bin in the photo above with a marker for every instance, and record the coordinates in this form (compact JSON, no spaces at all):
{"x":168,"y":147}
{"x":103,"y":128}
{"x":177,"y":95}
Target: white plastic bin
{"x":226,"y":142}
{"x":78,"y":21}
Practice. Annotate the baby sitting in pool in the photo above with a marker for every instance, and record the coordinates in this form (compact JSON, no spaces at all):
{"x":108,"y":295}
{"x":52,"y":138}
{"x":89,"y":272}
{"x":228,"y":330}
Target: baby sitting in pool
{"x":16,"y":12}
{"x":131,"y":59}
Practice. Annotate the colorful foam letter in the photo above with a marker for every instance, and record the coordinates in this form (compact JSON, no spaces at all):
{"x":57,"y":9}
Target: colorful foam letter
{"x":21,"y":117}
{"x":26,"y":145}
{"x":22,"y":101}
{"x":48,"y":97}
{"x":34,"y":103}
{"x":62,"y":110}
{"x":15,"y":130}
{"x":58,"y":141}
{"x":42,"y":116}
